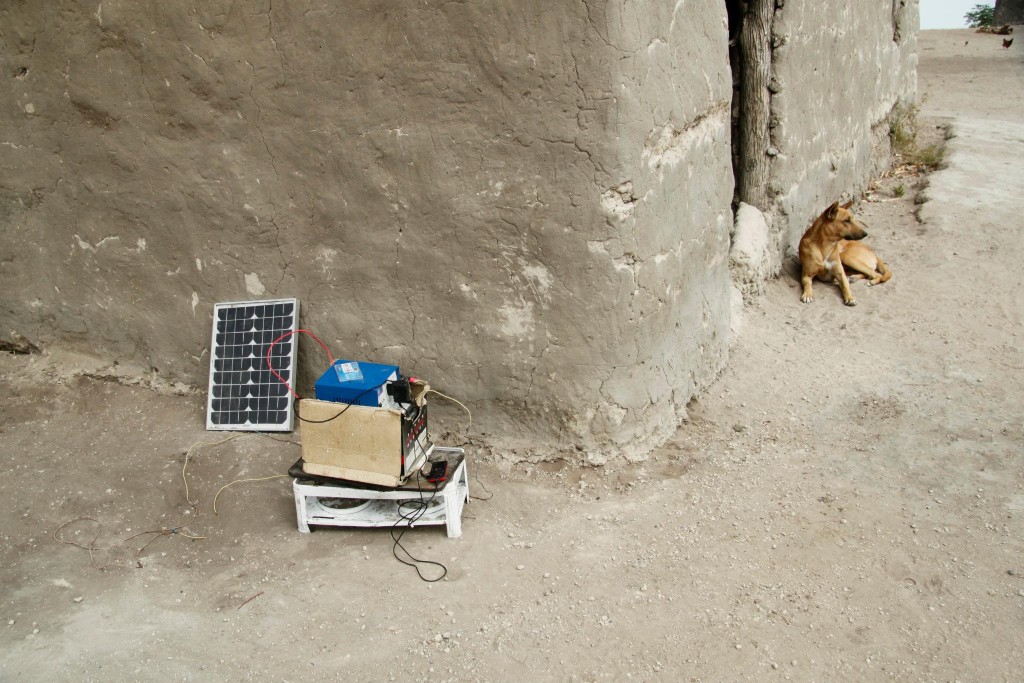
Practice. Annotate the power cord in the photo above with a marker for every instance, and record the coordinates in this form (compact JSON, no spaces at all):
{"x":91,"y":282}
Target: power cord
{"x":420,"y":508}
{"x":179,"y":530}
{"x":343,"y":410}
{"x":468,"y":429}
{"x":188,"y":451}
{"x":298,"y":399}
{"x":93,"y":548}
{"x":242,"y":481}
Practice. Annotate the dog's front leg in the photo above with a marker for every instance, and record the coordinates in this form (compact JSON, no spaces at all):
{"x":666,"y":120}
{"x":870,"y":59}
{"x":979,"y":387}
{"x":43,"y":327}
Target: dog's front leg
{"x":806,"y":281}
{"x":844,"y":284}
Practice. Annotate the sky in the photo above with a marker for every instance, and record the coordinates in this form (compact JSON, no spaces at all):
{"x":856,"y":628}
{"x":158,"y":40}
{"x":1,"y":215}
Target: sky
{"x":947,"y":13}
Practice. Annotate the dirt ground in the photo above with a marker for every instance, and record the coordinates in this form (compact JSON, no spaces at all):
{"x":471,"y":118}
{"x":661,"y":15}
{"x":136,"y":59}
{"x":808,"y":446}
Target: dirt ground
{"x":846,"y":503}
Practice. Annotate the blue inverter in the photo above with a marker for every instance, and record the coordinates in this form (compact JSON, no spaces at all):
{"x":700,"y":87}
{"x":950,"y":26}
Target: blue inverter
{"x":359,"y":383}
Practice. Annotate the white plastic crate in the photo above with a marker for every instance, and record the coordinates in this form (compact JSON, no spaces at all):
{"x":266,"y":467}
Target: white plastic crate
{"x":315,"y":503}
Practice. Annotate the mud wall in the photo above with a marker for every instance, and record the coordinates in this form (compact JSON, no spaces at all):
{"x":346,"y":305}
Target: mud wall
{"x":526,"y":203}
{"x":838,"y":69}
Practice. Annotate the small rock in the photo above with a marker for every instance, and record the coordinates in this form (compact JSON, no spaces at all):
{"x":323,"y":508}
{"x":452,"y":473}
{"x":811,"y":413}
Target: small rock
{"x":1011,"y":572}
{"x":10,"y":622}
{"x":438,"y":638}
{"x":738,"y":428}
{"x":520,"y":567}
{"x":78,"y":599}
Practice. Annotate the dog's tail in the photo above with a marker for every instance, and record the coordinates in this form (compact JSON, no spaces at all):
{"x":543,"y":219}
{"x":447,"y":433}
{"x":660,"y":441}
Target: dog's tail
{"x":884,"y":270}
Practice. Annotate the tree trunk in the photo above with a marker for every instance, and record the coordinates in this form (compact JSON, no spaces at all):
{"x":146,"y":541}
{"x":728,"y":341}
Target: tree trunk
{"x":1009,"y":12}
{"x":755,"y":103}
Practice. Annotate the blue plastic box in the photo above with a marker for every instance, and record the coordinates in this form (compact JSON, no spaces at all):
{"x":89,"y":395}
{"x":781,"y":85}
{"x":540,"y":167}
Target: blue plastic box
{"x":369,"y":390}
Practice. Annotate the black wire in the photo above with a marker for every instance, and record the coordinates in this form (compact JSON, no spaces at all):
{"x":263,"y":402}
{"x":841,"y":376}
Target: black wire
{"x":352,"y":403}
{"x":411,"y":518}
{"x":477,"y":480}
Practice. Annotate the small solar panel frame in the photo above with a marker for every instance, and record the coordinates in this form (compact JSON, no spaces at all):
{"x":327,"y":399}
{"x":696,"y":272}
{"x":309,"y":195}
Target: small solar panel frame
{"x":287,"y":425}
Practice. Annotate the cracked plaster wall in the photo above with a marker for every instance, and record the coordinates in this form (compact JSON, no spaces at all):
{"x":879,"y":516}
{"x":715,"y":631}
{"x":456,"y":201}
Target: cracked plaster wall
{"x":526,"y":203}
{"x":839,"y":69}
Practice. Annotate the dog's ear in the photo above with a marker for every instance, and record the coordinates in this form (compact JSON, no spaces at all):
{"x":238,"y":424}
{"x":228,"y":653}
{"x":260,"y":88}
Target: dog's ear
{"x":832,"y":211}
{"x":848,"y":204}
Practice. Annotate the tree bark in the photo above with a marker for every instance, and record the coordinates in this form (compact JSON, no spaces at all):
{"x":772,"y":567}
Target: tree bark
{"x":755,"y":103}
{"x":1008,"y":12}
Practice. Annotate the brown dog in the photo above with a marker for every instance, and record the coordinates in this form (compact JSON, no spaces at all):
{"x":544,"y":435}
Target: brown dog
{"x":828,"y":246}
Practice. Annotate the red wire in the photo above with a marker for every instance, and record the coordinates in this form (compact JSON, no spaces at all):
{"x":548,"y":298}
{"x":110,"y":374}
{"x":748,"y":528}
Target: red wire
{"x":285,"y":336}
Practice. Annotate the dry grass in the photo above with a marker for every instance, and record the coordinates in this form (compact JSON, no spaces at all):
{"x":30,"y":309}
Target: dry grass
{"x":904,"y":130}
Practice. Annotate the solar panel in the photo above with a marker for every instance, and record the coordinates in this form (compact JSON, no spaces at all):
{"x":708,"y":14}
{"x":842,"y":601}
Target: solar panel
{"x":244,"y":394}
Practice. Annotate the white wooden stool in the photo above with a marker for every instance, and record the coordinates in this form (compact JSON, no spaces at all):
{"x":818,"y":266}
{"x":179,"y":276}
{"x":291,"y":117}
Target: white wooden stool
{"x":375,"y":507}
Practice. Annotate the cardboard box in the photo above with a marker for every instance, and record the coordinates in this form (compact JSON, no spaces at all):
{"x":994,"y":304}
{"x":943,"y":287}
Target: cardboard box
{"x":380,"y":446}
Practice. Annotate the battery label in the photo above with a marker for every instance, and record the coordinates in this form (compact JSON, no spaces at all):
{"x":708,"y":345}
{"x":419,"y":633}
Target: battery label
{"x":348,"y":372}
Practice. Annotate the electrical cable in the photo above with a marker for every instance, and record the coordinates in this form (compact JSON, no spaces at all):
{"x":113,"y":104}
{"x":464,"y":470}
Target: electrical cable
{"x":285,"y":336}
{"x":298,"y":399}
{"x":486,"y":490}
{"x":181,"y":530}
{"x":468,"y":429}
{"x":92,"y":547}
{"x":242,"y":481}
{"x":342,"y":412}
{"x":184,"y":465}
{"x":460,"y":403}
{"x":411,"y":518}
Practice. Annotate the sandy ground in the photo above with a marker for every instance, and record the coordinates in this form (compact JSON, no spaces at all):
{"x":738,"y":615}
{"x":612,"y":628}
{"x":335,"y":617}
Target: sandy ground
{"x":847,"y":502}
